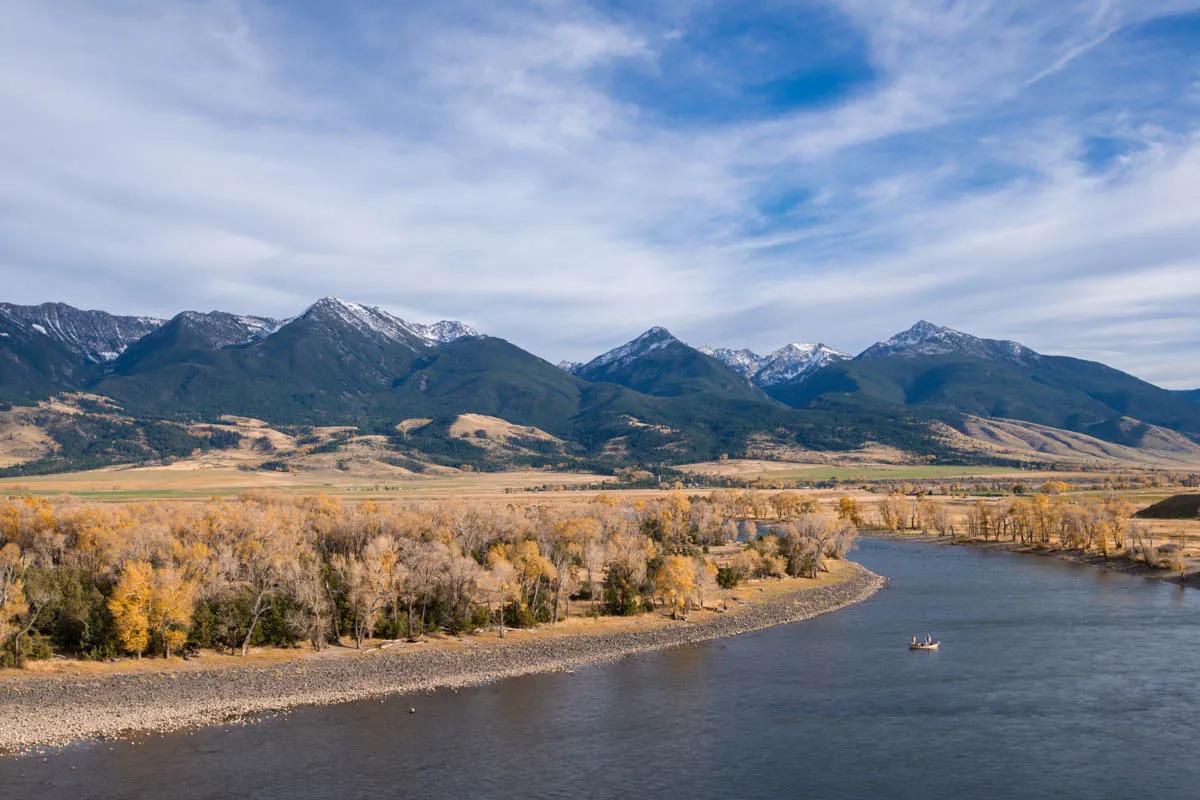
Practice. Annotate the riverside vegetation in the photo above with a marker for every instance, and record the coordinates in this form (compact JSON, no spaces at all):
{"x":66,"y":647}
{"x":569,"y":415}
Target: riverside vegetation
{"x":1050,"y":520}
{"x":97,"y":581}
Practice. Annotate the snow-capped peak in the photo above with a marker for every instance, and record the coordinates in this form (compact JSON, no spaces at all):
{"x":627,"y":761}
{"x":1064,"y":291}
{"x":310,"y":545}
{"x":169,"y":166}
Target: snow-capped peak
{"x":369,"y":320}
{"x":222,"y":329}
{"x":96,"y":336}
{"x":744,"y":362}
{"x":923,"y":332}
{"x":373,"y":320}
{"x":653,"y":339}
{"x":443,"y":331}
{"x":794,"y":360}
{"x":789,"y":362}
{"x":927,"y":339}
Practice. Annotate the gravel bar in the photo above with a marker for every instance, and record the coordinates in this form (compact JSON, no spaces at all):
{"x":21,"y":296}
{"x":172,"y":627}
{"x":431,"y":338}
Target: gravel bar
{"x":50,"y":711}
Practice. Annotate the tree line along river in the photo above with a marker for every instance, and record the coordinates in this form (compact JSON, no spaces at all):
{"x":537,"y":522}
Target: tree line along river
{"x":1054,"y":680}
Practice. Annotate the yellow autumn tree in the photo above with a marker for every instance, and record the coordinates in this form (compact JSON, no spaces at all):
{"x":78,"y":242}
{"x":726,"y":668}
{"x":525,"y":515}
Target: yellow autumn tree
{"x":892,"y":512}
{"x":675,"y":583}
{"x":169,"y":613}
{"x":569,"y":539}
{"x":130,"y":606}
{"x":849,"y":510}
{"x":12,"y":591}
{"x":786,"y":504}
{"x":501,"y":581}
{"x":533,"y":569}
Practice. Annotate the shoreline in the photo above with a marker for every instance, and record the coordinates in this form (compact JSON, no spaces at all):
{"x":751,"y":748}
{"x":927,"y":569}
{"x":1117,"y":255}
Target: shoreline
{"x":1190,"y":580}
{"x":55,"y":711}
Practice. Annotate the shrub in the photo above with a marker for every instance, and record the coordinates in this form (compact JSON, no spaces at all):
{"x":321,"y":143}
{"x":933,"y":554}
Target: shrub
{"x":728,"y":577}
{"x":221,"y":439}
{"x":34,"y":647}
{"x":517,"y":615}
{"x":621,"y":595}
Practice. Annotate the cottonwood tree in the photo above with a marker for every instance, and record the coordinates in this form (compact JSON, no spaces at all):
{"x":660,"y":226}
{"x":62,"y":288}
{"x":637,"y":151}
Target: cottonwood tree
{"x":979,"y":521}
{"x":933,"y":516}
{"x":567,"y":541}
{"x":802,"y":551}
{"x":307,"y":585}
{"x":891,"y":512}
{"x":13,"y":605}
{"x":675,"y":584}
{"x":30,"y":524}
{"x":706,"y":578}
{"x":368,"y":581}
{"x":423,"y":563}
{"x":593,"y":550}
{"x":20,"y":603}
{"x":265,"y":548}
{"x":130,"y":606}
{"x":172,"y":599}
{"x":500,"y":582}
{"x":461,"y":580}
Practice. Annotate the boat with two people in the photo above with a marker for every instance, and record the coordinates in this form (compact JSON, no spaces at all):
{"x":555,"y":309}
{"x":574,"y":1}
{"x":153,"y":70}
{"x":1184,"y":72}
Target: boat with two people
{"x":928,"y":643}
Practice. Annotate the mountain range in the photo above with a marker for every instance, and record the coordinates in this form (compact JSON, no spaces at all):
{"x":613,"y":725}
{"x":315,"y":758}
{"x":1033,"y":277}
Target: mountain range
{"x":654,"y":398}
{"x":789,"y":363}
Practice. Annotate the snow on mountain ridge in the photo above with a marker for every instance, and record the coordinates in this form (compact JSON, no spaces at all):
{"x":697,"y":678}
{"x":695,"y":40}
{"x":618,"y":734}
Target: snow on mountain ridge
{"x":744,"y":362}
{"x":373,"y":320}
{"x":653,"y":339}
{"x":222,"y":329}
{"x":443,"y":331}
{"x":787,"y":363}
{"x":794,"y":360}
{"x":926,"y":339}
{"x":96,"y":335}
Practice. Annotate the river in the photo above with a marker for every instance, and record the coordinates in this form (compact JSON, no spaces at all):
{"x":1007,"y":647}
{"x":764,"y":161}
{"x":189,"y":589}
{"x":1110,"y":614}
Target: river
{"x":1055,"y":680}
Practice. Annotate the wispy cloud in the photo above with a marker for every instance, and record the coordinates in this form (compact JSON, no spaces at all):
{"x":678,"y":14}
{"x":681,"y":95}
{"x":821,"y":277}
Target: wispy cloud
{"x":551,"y":173}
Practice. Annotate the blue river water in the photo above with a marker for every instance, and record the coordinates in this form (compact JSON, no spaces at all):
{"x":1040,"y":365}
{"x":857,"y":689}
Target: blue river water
{"x":1055,"y":680}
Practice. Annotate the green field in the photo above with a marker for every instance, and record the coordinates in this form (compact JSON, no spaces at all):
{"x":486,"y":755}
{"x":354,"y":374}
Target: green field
{"x":817,"y":473}
{"x":898,"y":473}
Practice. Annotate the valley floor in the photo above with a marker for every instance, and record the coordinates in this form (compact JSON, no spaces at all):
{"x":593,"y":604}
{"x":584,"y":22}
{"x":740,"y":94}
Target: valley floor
{"x":195,"y":480}
{"x":60,"y":703}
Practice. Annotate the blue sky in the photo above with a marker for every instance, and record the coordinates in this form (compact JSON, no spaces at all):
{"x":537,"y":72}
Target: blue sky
{"x":566,"y":175}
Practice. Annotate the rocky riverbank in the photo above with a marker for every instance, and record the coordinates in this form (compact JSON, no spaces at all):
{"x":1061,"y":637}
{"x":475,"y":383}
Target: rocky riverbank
{"x":52,"y":711}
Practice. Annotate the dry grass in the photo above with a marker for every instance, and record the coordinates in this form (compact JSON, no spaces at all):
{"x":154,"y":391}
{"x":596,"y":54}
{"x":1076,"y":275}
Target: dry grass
{"x":196,"y":479}
{"x":20,"y":439}
{"x":752,"y":469}
{"x":1161,"y":448}
{"x":496,"y":429}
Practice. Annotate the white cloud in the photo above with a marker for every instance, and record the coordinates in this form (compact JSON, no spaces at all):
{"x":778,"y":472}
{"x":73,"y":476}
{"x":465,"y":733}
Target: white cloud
{"x":475,"y":164}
